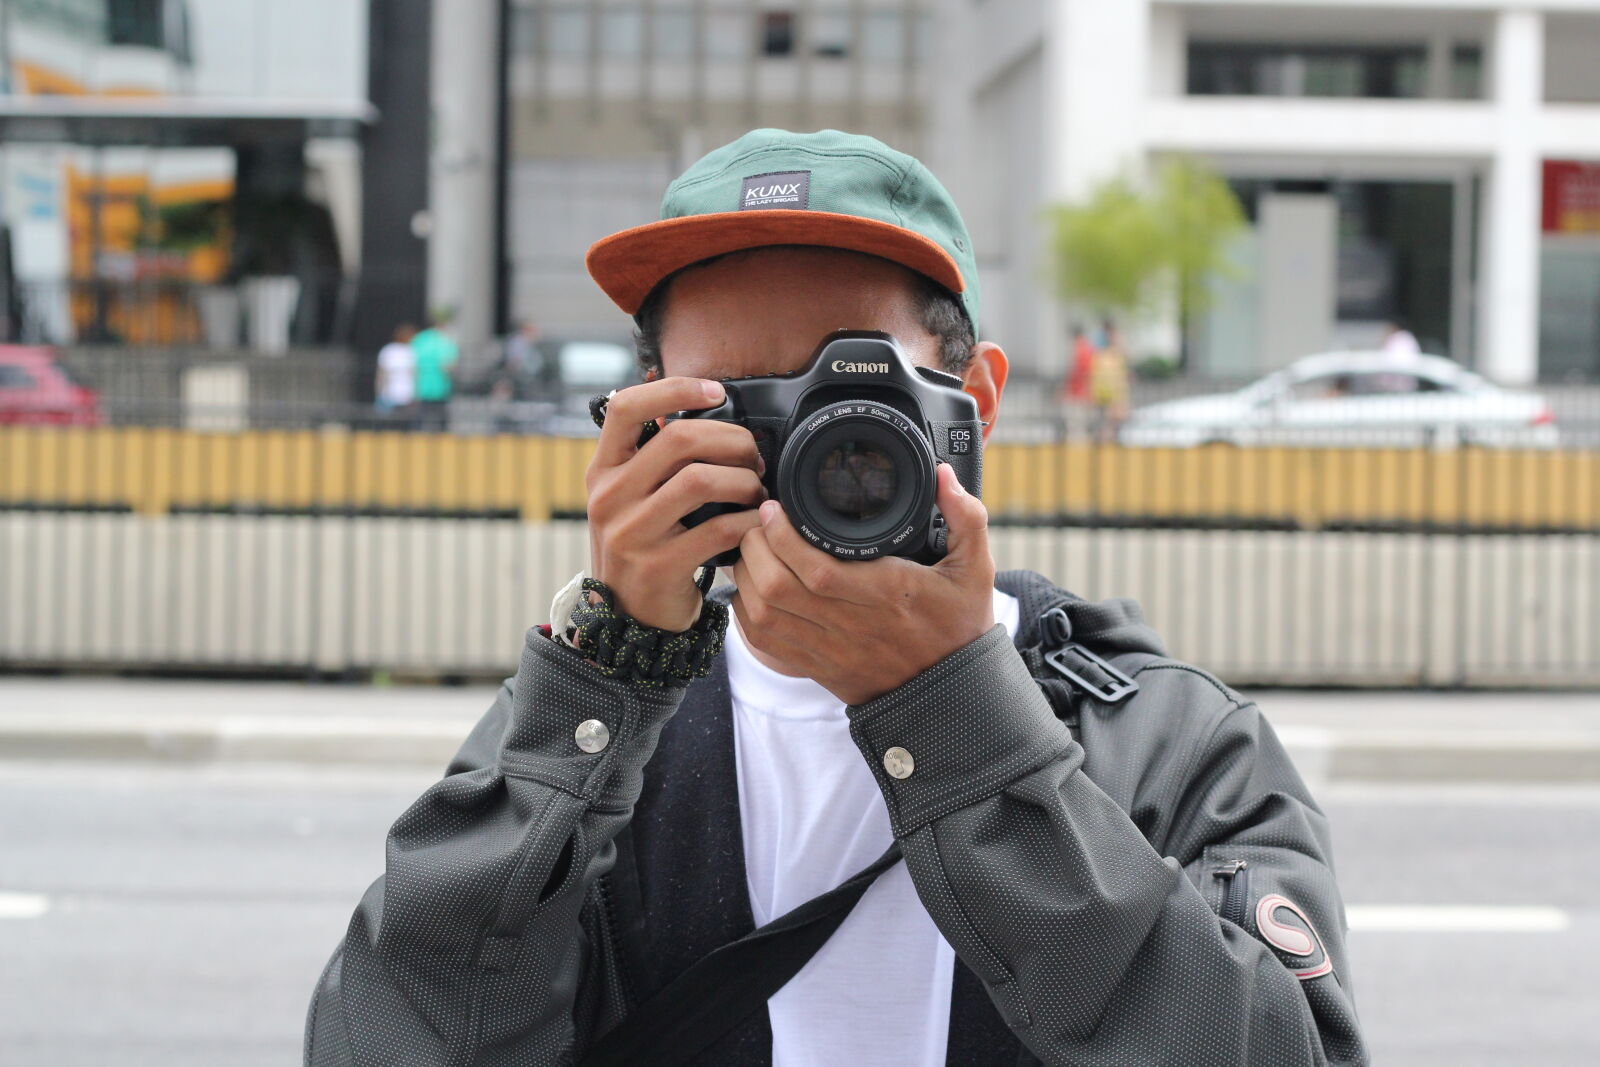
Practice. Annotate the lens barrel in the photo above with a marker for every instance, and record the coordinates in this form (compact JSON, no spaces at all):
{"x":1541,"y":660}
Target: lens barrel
{"x":858,"y":479}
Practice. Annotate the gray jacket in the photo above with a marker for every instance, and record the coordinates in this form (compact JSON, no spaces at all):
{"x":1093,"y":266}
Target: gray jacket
{"x":1159,"y":894}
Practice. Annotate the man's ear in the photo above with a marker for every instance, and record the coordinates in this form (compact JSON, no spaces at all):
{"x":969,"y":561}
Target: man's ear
{"x":985,"y":379}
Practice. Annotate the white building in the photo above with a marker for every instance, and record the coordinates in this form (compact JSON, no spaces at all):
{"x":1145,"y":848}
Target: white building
{"x":1422,"y":160}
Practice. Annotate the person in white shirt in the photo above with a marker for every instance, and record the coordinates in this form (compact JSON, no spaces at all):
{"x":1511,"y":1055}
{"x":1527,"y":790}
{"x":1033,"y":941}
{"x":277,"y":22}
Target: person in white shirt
{"x":396,"y":385}
{"x":1399,"y":341}
{"x":1400,"y":346}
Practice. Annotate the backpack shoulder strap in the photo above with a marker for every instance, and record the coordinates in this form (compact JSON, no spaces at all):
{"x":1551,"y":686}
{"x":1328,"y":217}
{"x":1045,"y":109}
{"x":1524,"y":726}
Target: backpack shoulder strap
{"x":719,"y":992}
{"x":1077,"y":650}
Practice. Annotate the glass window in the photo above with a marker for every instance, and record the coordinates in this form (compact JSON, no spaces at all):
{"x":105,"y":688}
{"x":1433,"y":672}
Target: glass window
{"x":728,"y":34}
{"x":524,"y":30}
{"x":15,"y":378}
{"x":1466,"y":72}
{"x":134,"y":22}
{"x":883,"y":37}
{"x":1569,"y":309}
{"x":1220,"y":68}
{"x":777,"y":33}
{"x":1367,"y":383}
{"x":674,"y":29}
{"x":622,"y":33}
{"x":569,"y":31}
{"x":830,"y":33}
{"x":1322,"y":76}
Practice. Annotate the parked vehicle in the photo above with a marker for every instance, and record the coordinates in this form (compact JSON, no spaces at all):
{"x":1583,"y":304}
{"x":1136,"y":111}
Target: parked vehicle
{"x":552,"y":397}
{"x":1353,"y":399}
{"x":37,"y":389}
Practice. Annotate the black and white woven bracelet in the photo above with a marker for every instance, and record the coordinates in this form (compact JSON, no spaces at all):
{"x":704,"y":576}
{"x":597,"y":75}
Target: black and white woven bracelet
{"x":622,"y":647}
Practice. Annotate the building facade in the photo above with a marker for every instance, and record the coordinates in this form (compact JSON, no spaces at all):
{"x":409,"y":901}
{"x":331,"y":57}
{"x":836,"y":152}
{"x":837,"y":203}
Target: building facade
{"x":1429,"y":162}
{"x":608,"y":101}
{"x":180,"y":174}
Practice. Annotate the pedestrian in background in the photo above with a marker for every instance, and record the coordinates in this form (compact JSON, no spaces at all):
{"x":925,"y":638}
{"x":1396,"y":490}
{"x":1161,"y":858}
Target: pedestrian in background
{"x":516,"y":375}
{"x":1075,"y":388}
{"x":1108,"y":384}
{"x":436,"y":354}
{"x":1399,"y":341}
{"x":1399,"y":347}
{"x":522,"y":362}
{"x":396,"y":386}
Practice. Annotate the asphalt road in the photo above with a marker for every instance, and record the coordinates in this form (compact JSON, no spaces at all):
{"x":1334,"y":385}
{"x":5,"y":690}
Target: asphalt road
{"x":178,"y":917}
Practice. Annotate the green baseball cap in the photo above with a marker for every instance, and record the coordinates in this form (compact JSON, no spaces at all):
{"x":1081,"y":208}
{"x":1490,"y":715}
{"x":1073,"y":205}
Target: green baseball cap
{"x":773,"y":187}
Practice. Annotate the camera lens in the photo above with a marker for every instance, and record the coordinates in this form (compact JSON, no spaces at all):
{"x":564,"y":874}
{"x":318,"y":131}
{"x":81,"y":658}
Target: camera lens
{"x":857,"y":480}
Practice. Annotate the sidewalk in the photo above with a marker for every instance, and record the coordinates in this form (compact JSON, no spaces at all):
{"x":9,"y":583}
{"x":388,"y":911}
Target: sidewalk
{"x":1548,"y":738}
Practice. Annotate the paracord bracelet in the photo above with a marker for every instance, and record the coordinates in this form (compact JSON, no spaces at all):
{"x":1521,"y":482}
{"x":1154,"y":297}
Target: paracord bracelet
{"x":621,"y":647}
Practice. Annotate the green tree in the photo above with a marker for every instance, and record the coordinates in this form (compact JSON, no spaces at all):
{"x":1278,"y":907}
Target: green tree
{"x":1128,"y":248}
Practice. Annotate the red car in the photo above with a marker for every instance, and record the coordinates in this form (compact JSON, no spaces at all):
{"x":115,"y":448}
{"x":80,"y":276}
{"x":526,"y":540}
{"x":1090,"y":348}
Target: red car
{"x":36,"y":389}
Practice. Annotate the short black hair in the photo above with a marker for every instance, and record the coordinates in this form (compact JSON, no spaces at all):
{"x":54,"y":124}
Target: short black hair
{"x":938,"y":309}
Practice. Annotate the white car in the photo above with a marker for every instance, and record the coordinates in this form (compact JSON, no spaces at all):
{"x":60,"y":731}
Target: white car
{"x":1353,"y":399}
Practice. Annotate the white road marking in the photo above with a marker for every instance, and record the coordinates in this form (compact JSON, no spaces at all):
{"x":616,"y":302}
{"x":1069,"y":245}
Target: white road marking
{"x":1450,"y":918}
{"x":23,"y":905}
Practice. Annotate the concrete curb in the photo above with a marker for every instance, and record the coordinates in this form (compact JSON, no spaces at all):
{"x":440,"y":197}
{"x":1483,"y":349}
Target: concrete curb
{"x":233,"y":740}
{"x":1322,"y":754}
{"x":1326,"y":755}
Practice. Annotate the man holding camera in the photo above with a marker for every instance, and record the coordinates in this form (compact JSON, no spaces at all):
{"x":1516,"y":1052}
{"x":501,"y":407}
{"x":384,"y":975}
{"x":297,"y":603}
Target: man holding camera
{"x":910,"y":812}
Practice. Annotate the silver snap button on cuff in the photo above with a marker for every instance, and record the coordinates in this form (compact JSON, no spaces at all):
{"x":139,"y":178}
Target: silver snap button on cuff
{"x":592,"y":735}
{"x":898,"y":762}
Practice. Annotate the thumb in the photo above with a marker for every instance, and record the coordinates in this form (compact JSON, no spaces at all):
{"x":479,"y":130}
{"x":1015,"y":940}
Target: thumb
{"x":968,"y":522}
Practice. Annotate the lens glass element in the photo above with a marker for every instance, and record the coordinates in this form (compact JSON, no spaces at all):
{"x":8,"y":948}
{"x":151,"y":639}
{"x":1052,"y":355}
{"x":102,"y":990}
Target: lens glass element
{"x":857,"y":480}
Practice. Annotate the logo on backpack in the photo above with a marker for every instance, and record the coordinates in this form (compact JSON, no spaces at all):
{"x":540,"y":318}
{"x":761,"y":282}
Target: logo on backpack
{"x":1282,"y":924}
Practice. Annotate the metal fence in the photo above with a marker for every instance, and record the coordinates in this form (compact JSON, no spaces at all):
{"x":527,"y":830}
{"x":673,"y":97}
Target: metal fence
{"x":272,"y":525}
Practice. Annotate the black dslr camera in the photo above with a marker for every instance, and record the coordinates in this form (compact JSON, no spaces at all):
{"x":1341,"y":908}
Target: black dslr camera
{"x":851,"y":442}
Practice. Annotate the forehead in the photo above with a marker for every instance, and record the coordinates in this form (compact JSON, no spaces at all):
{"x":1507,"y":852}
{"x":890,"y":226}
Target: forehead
{"x":765,"y":311}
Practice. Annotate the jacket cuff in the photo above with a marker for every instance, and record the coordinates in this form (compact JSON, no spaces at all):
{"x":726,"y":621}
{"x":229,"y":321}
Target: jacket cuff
{"x":554,"y":694}
{"x":972,"y":724}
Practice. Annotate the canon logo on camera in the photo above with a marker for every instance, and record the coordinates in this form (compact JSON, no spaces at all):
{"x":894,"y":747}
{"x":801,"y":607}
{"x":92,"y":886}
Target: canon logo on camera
{"x":839,"y":366}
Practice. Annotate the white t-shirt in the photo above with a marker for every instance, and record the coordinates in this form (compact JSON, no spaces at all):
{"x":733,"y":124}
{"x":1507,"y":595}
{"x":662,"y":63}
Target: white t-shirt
{"x":878,"y":992}
{"x":399,"y":366}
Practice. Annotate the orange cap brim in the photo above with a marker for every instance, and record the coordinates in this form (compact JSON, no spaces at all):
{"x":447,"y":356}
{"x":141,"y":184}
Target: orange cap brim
{"x":627,"y":265}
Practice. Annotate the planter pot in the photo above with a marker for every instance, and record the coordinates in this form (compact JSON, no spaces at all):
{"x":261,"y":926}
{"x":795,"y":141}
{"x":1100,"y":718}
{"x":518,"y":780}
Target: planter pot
{"x":218,"y":306}
{"x":269,"y":306}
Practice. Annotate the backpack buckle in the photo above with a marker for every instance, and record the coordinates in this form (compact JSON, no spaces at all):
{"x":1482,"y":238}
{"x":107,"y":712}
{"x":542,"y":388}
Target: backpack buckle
{"x":1073,"y":662}
{"x":1114,"y":689}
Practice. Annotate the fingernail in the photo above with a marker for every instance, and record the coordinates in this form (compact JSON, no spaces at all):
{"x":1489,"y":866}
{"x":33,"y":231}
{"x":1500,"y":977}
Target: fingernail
{"x":769,"y":511}
{"x":761,"y":463}
{"x":713,"y":390}
{"x":955,"y":483}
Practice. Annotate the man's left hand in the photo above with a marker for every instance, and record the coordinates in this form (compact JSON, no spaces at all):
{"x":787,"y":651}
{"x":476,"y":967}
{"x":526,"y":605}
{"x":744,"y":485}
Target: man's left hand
{"x":861,"y":629}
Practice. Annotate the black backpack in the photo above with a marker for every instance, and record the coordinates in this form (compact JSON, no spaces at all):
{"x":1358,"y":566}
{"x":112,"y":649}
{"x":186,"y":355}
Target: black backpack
{"x":1075,"y":650}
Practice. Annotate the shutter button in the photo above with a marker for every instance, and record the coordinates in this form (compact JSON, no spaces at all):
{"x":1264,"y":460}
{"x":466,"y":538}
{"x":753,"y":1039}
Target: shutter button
{"x":592,"y":735}
{"x":898,"y":762}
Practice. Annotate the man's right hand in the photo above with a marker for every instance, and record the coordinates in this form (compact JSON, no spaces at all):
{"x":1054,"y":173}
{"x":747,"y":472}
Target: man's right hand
{"x":637,"y":496}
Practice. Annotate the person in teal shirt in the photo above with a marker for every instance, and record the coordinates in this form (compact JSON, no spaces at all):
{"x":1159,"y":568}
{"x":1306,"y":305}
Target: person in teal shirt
{"x":435,"y":354}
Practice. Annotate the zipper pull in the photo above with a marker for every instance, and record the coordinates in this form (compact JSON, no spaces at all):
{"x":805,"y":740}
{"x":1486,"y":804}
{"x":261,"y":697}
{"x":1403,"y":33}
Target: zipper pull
{"x":1235,"y":903}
